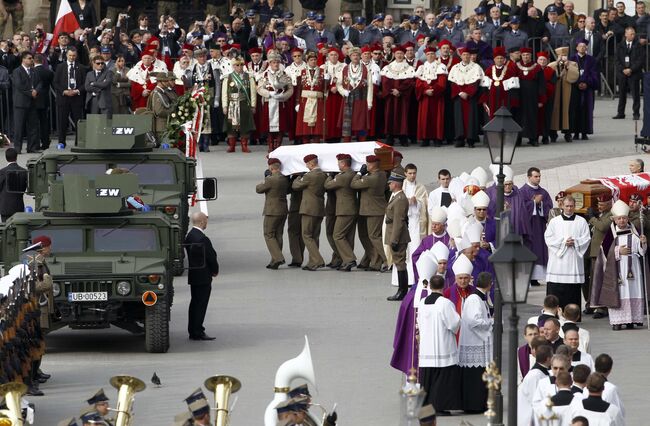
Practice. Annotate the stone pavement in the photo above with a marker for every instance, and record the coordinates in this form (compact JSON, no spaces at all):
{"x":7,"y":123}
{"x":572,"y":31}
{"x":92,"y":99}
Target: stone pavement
{"x":260,"y":317}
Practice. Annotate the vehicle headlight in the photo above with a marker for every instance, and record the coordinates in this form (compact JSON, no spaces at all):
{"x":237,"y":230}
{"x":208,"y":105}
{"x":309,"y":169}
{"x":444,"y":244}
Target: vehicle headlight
{"x":123,"y":288}
{"x":56,"y":289}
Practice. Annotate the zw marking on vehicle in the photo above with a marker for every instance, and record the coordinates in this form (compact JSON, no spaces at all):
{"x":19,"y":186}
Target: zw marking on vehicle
{"x":107,"y":192}
{"x":123,"y":130}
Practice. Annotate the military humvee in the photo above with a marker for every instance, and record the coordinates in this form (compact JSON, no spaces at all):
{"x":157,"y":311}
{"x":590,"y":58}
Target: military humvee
{"x":111,"y":265}
{"x":166,"y":178}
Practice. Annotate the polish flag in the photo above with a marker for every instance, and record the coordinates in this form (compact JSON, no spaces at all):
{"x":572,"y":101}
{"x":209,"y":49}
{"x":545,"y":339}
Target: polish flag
{"x":65,"y":21}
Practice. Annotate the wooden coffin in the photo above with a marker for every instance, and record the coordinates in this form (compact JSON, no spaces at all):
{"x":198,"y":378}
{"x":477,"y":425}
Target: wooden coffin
{"x":586,"y":194}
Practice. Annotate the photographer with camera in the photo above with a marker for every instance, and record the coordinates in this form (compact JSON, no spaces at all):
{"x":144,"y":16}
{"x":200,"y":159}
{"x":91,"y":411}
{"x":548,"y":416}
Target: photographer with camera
{"x":116,"y":8}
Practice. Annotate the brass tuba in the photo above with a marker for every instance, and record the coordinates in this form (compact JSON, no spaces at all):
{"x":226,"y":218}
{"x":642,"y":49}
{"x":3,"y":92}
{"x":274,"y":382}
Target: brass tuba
{"x":300,"y":367}
{"x":13,"y":415}
{"x":127,"y":387}
{"x":222,"y":386}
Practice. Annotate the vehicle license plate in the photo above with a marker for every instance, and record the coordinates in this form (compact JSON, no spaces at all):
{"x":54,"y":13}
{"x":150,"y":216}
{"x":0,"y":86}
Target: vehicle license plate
{"x":94,"y":296}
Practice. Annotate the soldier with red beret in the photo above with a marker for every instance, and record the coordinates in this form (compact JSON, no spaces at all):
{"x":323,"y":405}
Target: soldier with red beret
{"x":274,"y":188}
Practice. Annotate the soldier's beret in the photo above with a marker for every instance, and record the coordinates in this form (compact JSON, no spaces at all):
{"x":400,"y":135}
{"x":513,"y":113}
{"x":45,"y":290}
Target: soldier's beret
{"x":636,"y":197}
{"x":342,"y":157}
{"x":397,"y":154}
{"x":560,"y":195}
{"x":372,"y":159}
{"x":273,"y":161}
{"x":43,"y":239}
{"x":310,"y":157}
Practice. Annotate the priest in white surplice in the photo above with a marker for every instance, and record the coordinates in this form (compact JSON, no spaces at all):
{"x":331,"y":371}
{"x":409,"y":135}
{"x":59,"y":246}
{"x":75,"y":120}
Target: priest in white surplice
{"x":417,"y":196}
{"x":440,"y":197}
{"x":567,"y":237}
{"x":594,"y":407}
{"x":528,"y":386}
{"x":475,"y":344}
{"x":440,"y":374}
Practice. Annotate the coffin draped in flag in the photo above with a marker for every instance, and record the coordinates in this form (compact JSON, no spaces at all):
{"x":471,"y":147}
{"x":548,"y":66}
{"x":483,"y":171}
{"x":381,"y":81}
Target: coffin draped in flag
{"x":66,"y":22}
{"x":624,"y":186}
{"x":292,"y":156}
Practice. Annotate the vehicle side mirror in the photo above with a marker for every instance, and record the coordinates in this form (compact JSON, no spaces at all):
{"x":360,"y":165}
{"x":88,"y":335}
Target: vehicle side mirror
{"x":208,"y":189}
{"x":17,"y":181}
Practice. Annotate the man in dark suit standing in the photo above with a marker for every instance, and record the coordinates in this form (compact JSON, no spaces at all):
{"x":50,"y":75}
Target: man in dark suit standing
{"x":593,"y":37}
{"x":10,"y":202}
{"x":203,"y":266}
{"x":98,"y":88}
{"x":70,"y":91}
{"x":629,"y":64}
{"x":25,"y":90}
{"x":45,"y":76}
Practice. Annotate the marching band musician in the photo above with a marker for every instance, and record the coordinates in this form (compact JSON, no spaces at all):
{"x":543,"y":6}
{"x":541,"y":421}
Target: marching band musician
{"x":275,"y":89}
{"x":239,"y":99}
{"x":98,"y":407}
{"x":356,"y":87}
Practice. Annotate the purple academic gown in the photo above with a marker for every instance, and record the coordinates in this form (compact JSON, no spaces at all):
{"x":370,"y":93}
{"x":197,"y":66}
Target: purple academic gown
{"x":425,"y":245}
{"x":581,"y":107}
{"x":537,"y":227}
{"x":405,"y":350}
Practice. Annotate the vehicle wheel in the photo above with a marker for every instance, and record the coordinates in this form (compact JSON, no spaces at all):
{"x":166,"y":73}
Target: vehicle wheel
{"x":156,"y":327}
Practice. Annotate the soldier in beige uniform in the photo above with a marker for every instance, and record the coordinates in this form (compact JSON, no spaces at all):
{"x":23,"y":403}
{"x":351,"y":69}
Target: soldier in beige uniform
{"x":600,"y":224}
{"x":372,"y":207}
{"x":274,"y":188}
{"x":160,"y":104}
{"x":397,"y":231}
{"x":44,"y":281}
{"x":294,"y":227}
{"x":330,"y":221}
{"x":312,"y":209}
{"x":346,"y":211}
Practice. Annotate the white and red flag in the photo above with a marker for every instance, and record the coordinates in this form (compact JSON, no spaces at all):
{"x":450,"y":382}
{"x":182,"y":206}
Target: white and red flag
{"x":66,"y":22}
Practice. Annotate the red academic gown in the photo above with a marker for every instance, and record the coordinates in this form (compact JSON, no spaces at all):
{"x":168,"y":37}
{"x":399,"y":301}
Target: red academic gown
{"x":317,"y":85}
{"x":396,"y":108}
{"x":431,"y":109}
{"x":359,"y":120}
{"x":497,"y":96}
{"x":137,"y":100}
{"x":545,"y":112}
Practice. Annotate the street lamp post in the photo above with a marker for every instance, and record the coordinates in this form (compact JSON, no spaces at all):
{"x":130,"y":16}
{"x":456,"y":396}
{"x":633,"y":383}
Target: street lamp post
{"x":513,"y":264}
{"x":501,"y":133}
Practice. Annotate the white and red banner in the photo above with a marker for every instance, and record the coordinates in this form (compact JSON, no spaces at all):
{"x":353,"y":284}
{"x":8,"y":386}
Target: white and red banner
{"x":66,"y":22}
{"x":624,"y":186}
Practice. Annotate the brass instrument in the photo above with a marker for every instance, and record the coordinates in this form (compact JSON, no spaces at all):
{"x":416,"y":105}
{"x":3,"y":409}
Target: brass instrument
{"x":13,"y":415}
{"x":222,"y":386}
{"x":127,"y":387}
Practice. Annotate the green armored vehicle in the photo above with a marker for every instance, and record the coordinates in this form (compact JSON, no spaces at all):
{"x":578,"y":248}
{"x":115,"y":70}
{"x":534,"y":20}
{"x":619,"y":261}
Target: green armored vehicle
{"x":111,"y":265}
{"x":166,"y":178}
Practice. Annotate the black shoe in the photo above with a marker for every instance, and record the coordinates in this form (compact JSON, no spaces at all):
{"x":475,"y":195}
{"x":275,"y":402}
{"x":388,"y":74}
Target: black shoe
{"x":545,"y":140}
{"x":363,"y":266}
{"x":554,"y":139}
{"x":568,"y":137}
{"x":34,"y":391}
{"x":202,"y":337}
{"x":437,"y":143}
{"x":618,"y":117}
{"x":459,"y":144}
{"x":534,"y":283}
{"x":533,"y":142}
{"x":640,"y":324}
{"x":616,"y":327}
{"x":44,"y":375}
{"x":335,"y":265}
{"x":588,"y":311}
{"x":584,"y":137}
{"x":347,"y":267}
{"x":385,"y":268}
{"x":636,"y":117}
{"x":629,"y":326}
{"x":312,"y":268}
{"x":426,"y":142}
{"x":599,"y":315}
{"x":295,"y":265}
{"x":35,"y":151}
{"x":397,"y":296}
{"x":274,"y":265}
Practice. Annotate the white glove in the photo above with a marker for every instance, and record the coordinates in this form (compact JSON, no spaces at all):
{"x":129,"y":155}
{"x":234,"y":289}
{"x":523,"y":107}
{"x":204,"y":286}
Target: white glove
{"x":297,"y":107}
{"x":369,"y":107}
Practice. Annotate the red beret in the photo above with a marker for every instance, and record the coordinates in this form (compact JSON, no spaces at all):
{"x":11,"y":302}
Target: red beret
{"x":445,"y":43}
{"x":255,"y":50}
{"x":366,"y":49}
{"x":499,"y":51}
{"x":320,"y":46}
{"x":343,"y":157}
{"x":603,"y":198}
{"x":273,"y":161}
{"x":420,"y":37}
{"x":526,"y":50}
{"x":148,"y":52}
{"x":377,"y":47}
{"x":43,"y":239}
{"x":430,"y":50}
{"x":397,"y":154}
{"x":542,"y":55}
{"x":310,"y":157}
{"x":372,"y":159}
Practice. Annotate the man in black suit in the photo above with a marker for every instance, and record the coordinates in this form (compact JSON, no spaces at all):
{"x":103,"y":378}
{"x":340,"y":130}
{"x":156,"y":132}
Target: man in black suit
{"x":26,"y":87}
{"x":70,"y":92}
{"x":10,"y":202}
{"x":203,"y":266}
{"x":45,"y":76}
{"x":629,"y":64}
{"x":98,"y":88}
{"x":594,"y":38}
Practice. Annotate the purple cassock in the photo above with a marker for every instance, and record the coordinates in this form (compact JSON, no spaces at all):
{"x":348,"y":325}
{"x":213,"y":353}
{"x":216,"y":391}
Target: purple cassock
{"x":405,"y":349}
{"x":581,"y":107}
{"x":425,"y":245}
{"x":519,"y":218}
{"x":490,"y":230}
{"x":538,"y":215}
{"x":523,"y":353}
